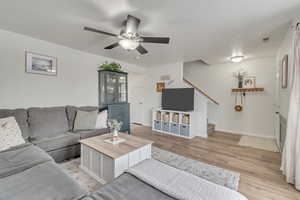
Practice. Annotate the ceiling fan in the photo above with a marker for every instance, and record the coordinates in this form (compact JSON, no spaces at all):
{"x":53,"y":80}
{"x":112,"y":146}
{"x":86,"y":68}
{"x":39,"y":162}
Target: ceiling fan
{"x":129,"y":37}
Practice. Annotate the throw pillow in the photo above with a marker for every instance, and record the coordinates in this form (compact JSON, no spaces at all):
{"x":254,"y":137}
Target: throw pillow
{"x":10,"y":133}
{"x":85,"y":120}
{"x":101,"y":121}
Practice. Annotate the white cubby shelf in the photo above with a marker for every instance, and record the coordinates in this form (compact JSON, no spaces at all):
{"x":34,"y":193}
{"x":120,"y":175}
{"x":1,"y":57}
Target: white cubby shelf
{"x":177,"y":123}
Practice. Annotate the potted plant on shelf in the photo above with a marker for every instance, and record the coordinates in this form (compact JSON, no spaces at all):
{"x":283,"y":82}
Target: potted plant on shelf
{"x":240,"y":77}
{"x":113,"y":66}
{"x":115,"y":126}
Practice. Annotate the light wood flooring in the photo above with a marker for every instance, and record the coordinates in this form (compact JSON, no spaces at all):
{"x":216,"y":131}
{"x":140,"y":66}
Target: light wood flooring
{"x":260,"y":178}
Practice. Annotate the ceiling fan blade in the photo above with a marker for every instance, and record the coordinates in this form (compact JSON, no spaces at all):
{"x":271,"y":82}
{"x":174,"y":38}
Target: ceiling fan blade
{"x":98,"y":31}
{"x":162,"y":40}
{"x":141,"y":50}
{"x":132,"y":24}
{"x":112,"y":45}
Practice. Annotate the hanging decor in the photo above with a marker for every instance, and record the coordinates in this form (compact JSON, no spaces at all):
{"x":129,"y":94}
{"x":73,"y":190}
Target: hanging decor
{"x":238,"y":108}
{"x":245,"y":84}
{"x":238,"y":105}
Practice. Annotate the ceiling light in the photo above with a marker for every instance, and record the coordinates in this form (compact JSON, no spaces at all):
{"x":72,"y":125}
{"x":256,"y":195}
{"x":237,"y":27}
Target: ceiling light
{"x":236,"y":59}
{"x":129,"y":44}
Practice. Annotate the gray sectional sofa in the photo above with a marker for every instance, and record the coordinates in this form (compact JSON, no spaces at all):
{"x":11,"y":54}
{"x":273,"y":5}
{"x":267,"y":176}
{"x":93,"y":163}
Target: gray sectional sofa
{"x":51,"y":129}
{"x":29,"y":172}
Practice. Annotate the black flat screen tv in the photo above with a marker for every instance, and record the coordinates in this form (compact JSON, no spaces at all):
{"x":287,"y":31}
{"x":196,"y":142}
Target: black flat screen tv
{"x":178,"y":99}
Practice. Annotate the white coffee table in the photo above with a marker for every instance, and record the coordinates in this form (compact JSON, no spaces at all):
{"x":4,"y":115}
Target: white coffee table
{"x":105,"y":161}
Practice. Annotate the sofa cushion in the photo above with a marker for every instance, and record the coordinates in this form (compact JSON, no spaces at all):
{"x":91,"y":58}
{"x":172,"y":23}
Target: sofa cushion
{"x":92,"y":133}
{"x":85,"y":120}
{"x":58,"y":142}
{"x":72,"y":110}
{"x":20,"y":116}
{"x":20,"y":158}
{"x":46,"y":181}
{"x":47,"y":122}
{"x":101,"y":121}
{"x":66,"y":153}
{"x":10,"y":133}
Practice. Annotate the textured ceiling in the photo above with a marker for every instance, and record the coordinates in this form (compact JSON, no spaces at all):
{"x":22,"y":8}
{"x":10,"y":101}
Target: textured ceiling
{"x":211,"y":30}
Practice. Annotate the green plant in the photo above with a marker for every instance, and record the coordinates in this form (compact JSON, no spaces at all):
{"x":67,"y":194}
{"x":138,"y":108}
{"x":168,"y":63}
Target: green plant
{"x":114,"y":124}
{"x":111,"y":66}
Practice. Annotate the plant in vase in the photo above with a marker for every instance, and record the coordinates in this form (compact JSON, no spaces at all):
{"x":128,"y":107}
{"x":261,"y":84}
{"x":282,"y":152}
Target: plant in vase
{"x":115,"y":126}
{"x":240,"y":77}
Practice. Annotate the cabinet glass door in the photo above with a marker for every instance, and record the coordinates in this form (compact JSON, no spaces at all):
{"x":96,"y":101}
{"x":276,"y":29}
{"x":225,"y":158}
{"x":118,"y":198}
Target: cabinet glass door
{"x":112,"y":87}
{"x":122,"y":87}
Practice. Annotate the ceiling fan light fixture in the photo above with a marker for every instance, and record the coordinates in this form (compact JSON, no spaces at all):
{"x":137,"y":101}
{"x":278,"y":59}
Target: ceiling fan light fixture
{"x":129,"y":38}
{"x":237,"y":59}
{"x":129,"y":44}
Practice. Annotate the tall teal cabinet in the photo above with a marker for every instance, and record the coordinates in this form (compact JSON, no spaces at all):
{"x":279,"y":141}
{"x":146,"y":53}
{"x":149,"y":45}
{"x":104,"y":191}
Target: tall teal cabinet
{"x":113,"y":95}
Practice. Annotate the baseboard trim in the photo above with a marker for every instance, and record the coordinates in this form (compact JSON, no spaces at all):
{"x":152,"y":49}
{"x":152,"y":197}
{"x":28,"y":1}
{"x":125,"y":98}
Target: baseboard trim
{"x":148,"y":125}
{"x":245,"y":133}
{"x":139,"y":124}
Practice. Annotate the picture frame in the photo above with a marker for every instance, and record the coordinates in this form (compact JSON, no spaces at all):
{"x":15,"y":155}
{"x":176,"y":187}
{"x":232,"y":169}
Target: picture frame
{"x":40,"y":64}
{"x":284,"y":72}
{"x":249,"y":82}
{"x":160,"y":86}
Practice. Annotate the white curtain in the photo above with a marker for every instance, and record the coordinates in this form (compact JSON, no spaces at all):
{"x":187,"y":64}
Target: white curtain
{"x":291,"y":153}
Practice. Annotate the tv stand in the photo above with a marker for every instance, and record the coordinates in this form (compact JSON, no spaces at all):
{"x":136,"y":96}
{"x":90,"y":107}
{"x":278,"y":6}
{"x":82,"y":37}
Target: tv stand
{"x":177,"y":123}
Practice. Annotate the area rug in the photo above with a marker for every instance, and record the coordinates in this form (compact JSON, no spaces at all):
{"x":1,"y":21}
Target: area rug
{"x":209,"y":172}
{"x":267,"y":144}
{"x":84,"y":180}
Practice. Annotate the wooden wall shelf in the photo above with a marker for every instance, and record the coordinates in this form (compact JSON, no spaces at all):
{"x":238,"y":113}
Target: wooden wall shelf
{"x":248,"y":89}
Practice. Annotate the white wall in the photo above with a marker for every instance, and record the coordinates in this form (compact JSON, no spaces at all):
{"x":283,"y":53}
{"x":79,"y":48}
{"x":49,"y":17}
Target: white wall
{"x":77,"y":80}
{"x":257,"y":117}
{"x":151,"y":77}
{"x":75,"y":84}
{"x":152,"y":99}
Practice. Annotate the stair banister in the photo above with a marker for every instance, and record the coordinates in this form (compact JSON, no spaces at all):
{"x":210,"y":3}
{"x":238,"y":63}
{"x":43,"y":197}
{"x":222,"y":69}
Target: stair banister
{"x":201,"y":91}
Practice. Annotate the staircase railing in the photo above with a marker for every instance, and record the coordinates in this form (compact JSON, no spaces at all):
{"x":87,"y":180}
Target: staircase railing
{"x":201,"y":91}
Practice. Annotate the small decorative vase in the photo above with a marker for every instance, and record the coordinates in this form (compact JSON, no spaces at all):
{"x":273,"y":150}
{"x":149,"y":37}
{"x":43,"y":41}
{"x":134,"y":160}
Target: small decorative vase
{"x":240,"y":83}
{"x":115,"y":134}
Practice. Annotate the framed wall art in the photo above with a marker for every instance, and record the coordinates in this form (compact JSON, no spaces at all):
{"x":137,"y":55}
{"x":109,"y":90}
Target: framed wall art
{"x":41,"y":64}
{"x":249,"y":82}
{"x":160,"y":86}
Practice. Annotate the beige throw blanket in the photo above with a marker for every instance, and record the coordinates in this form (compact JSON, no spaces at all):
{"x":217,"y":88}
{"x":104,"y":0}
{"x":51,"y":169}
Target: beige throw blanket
{"x":180,"y":184}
